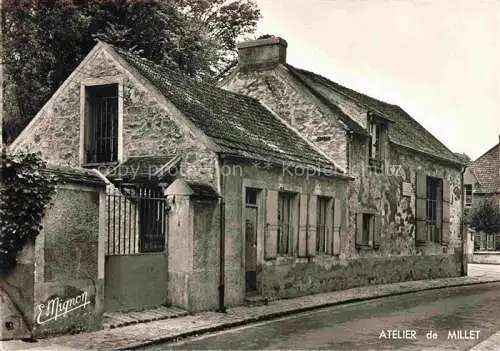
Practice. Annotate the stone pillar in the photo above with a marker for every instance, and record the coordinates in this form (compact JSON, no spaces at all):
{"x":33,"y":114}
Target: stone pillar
{"x":180,"y":249}
{"x":193,"y":248}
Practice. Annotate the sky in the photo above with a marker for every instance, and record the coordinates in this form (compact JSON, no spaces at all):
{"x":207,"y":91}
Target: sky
{"x":437,"y":59}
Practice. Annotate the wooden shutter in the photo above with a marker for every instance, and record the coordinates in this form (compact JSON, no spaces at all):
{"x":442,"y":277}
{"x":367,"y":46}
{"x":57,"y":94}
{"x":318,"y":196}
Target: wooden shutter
{"x":311,"y":231}
{"x":329,"y":226}
{"x":302,"y":242}
{"x":445,"y":225}
{"x":421,"y":207}
{"x":272,"y":225}
{"x":337,"y":219}
{"x":376,"y":231}
{"x":359,"y":229}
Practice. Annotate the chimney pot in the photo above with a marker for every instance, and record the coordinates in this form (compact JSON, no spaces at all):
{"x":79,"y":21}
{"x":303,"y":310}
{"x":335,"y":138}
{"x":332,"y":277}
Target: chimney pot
{"x":261,"y":54}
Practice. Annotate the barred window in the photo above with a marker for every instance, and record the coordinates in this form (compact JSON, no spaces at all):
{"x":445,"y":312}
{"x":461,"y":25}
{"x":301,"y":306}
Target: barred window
{"x":101,"y":139}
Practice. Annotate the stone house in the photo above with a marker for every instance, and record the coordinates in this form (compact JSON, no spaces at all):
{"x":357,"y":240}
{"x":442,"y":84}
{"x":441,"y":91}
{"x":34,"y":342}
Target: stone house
{"x":482,"y":180}
{"x":211,"y":197}
{"x":405,"y":203}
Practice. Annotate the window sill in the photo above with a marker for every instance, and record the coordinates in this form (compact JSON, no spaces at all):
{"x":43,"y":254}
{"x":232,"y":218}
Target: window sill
{"x":325,"y":255}
{"x":365,"y":247}
{"x":430,"y":243}
{"x":96,"y":164}
{"x":487,"y":252}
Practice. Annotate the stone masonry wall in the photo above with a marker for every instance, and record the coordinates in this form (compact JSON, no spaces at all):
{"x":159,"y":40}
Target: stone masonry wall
{"x":148,"y":127}
{"x":398,"y":258}
{"x":290,"y":102}
{"x":67,"y":257}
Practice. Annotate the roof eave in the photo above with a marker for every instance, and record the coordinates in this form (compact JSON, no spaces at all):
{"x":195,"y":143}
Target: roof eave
{"x":274,"y":163}
{"x":438,"y":158}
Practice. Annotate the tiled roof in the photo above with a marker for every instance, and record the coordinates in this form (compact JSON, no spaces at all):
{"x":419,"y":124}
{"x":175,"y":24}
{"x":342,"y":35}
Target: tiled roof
{"x":486,"y":170}
{"x":74,"y":176}
{"x":202,"y":190}
{"x":239,"y":125}
{"x":350,"y":123}
{"x":404,"y":131}
{"x":143,"y":168}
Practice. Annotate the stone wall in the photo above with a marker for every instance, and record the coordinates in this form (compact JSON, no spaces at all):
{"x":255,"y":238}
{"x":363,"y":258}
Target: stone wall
{"x":150,"y":127}
{"x":269,"y":271}
{"x":323,"y":274}
{"x":69,"y":260}
{"x":16,"y":297}
{"x":381,"y":194}
{"x":193,"y":250}
{"x":384,"y":194}
{"x":296,"y":106}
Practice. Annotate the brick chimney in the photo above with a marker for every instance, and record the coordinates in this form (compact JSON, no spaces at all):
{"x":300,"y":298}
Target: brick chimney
{"x":261,"y":54}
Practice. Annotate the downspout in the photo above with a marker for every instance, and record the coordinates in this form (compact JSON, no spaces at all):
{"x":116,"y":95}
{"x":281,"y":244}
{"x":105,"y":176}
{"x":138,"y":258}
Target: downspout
{"x":462,"y":235}
{"x":222,"y":237}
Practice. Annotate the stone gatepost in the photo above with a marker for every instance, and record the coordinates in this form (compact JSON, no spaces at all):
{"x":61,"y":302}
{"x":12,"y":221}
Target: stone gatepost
{"x":193,"y":246}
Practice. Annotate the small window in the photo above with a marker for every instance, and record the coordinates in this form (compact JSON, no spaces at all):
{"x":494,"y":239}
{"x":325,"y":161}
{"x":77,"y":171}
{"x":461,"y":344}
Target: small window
{"x":323,"y":227}
{"x":367,"y":229}
{"x":286,"y":218}
{"x":467,"y":195}
{"x":251,"y":196}
{"x":375,"y":151}
{"x":101,"y":121}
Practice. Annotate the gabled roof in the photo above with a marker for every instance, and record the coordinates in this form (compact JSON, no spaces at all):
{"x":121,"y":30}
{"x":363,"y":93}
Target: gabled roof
{"x":485,"y":168}
{"x":239,"y":125}
{"x":404,"y":130}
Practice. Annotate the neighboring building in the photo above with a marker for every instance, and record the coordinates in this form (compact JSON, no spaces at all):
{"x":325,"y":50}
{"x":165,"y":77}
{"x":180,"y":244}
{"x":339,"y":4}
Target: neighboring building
{"x":405,"y":212}
{"x":481,"y":181}
{"x":482,"y":177}
{"x":230,"y":169}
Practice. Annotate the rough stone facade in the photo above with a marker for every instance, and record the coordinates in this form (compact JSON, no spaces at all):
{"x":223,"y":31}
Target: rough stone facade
{"x":380,"y":193}
{"x":60,"y":265}
{"x":149,"y":127}
{"x":283,"y":270}
{"x":67,"y":258}
{"x":294,"y":105}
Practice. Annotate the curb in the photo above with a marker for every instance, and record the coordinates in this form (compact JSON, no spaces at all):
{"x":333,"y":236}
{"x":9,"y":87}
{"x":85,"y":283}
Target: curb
{"x":275,"y":315}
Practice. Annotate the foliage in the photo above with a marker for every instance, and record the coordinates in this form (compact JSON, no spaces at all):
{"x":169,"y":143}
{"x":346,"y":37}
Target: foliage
{"x":485,"y":216}
{"x":25,"y":193}
{"x":45,"y":40}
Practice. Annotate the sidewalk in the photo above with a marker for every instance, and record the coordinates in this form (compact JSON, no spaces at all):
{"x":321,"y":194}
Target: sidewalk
{"x":171,"y":329}
{"x":490,"y":344}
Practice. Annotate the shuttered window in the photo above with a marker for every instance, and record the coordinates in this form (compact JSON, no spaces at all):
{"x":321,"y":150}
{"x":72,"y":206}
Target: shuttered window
{"x":323,"y":225}
{"x":367,"y":230}
{"x":432,"y":209}
{"x":270,"y":250}
{"x":287,"y":219}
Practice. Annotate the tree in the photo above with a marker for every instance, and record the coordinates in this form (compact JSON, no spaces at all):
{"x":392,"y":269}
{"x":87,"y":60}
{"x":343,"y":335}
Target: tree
{"x":462,"y":156}
{"x":485,"y":216}
{"x":46,"y":39}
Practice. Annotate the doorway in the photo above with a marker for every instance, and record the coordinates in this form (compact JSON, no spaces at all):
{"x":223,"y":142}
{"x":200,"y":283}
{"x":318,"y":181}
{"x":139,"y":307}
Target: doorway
{"x":251,"y":225}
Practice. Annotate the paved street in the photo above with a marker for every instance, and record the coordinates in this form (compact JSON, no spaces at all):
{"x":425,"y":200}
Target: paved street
{"x":472,"y":311}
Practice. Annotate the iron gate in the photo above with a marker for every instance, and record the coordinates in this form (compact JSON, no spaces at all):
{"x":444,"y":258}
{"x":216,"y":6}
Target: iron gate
{"x":136,"y":220}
